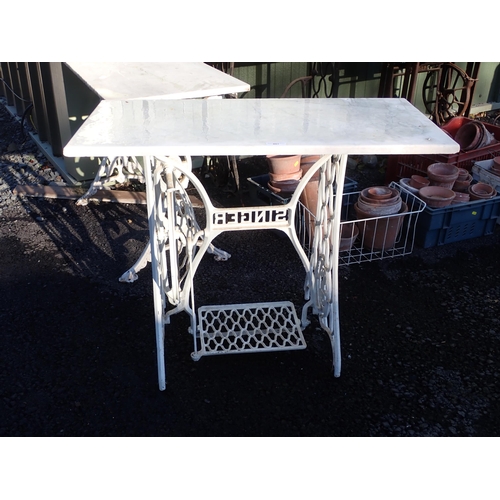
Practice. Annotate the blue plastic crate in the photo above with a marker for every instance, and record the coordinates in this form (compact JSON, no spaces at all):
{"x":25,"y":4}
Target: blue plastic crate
{"x":462,"y":221}
{"x":261,"y":194}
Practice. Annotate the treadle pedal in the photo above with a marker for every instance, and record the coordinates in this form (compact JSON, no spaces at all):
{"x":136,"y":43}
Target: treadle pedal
{"x":241,"y":328}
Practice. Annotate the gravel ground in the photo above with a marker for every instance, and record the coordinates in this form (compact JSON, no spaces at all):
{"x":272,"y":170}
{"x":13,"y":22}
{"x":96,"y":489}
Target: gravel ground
{"x":420,"y":334}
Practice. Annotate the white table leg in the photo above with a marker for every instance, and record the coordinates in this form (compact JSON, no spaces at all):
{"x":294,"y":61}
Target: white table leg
{"x":158,"y":300}
{"x":335,"y":318}
{"x":322,"y":278}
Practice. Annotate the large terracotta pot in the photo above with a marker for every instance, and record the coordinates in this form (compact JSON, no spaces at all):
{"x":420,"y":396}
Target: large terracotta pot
{"x":437,"y":196}
{"x":442,"y":174}
{"x":306,"y":162}
{"x":305,"y":168}
{"x":380,"y":233}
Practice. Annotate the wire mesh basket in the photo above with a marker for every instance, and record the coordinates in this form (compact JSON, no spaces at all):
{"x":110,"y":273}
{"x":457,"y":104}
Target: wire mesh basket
{"x":368,"y":239}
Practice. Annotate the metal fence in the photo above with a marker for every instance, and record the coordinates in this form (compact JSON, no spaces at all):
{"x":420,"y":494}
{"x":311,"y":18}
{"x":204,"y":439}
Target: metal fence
{"x":37,"y":89}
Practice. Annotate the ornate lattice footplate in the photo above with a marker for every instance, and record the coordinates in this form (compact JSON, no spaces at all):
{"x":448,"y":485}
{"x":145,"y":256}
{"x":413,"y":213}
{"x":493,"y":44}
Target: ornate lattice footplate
{"x":241,"y":328}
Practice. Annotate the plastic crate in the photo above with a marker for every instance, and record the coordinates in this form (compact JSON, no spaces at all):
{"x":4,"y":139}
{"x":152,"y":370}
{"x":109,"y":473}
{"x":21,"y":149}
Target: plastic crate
{"x":261,"y":194}
{"x":462,"y":221}
{"x":400,"y":166}
{"x":481,"y":173}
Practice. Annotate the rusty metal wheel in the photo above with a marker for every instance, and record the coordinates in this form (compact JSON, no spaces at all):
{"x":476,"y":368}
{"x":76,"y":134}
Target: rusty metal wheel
{"x":446,"y":92}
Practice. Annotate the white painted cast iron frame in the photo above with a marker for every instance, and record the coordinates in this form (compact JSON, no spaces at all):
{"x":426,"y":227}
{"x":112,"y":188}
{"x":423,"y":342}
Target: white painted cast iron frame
{"x":321,"y":286}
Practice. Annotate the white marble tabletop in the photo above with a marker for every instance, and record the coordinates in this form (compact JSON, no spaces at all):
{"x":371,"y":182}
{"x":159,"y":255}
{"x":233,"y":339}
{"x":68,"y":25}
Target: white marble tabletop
{"x":258,"y":127}
{"x":162,"y":80}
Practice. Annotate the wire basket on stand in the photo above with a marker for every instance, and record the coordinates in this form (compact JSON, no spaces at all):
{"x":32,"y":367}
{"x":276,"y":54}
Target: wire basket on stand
{"x":373,"y":238}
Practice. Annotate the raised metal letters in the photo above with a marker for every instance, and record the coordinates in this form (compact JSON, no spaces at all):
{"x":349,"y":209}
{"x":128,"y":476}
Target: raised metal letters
{"x":251,"y":216}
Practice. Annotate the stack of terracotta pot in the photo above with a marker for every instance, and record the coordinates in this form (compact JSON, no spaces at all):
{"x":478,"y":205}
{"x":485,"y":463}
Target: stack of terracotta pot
{"x":378,"y":200}
{"x":474,"y":135}
{"x":384,"y":206}
{"x":461,"y":186}
{"x":444,"y":179}
{"x":442,"y":174}
{"x":284,"y":173}
{"x":460,"y":181}
{"x":495,"y":168}
{"x":450,"y":177}
{"x":481,"y":191}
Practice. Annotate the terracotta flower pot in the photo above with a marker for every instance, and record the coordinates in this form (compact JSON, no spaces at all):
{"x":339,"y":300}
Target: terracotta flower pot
{"x":366,"y":197}
{"x":379,"y":200}
{"x":469,"y":136}
{"x":463,"y":174}
{"x":286,"y":187}
{"x":474,"y":135}
{"x":380,"y":233}
{"x":309,"y":158}
{"x":436,"y":196}
{"x":380,"y":210}
{"x":481,"y":191}
{"x":283,"y":164}
{"x":462,"y":185}
{"x":379,"y":193}
{"x":305,"y":168}
{"x":460,"y":197}
{"x":286,"y":177}
{"x":419,"y":181}
{"x":442,"y":174}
